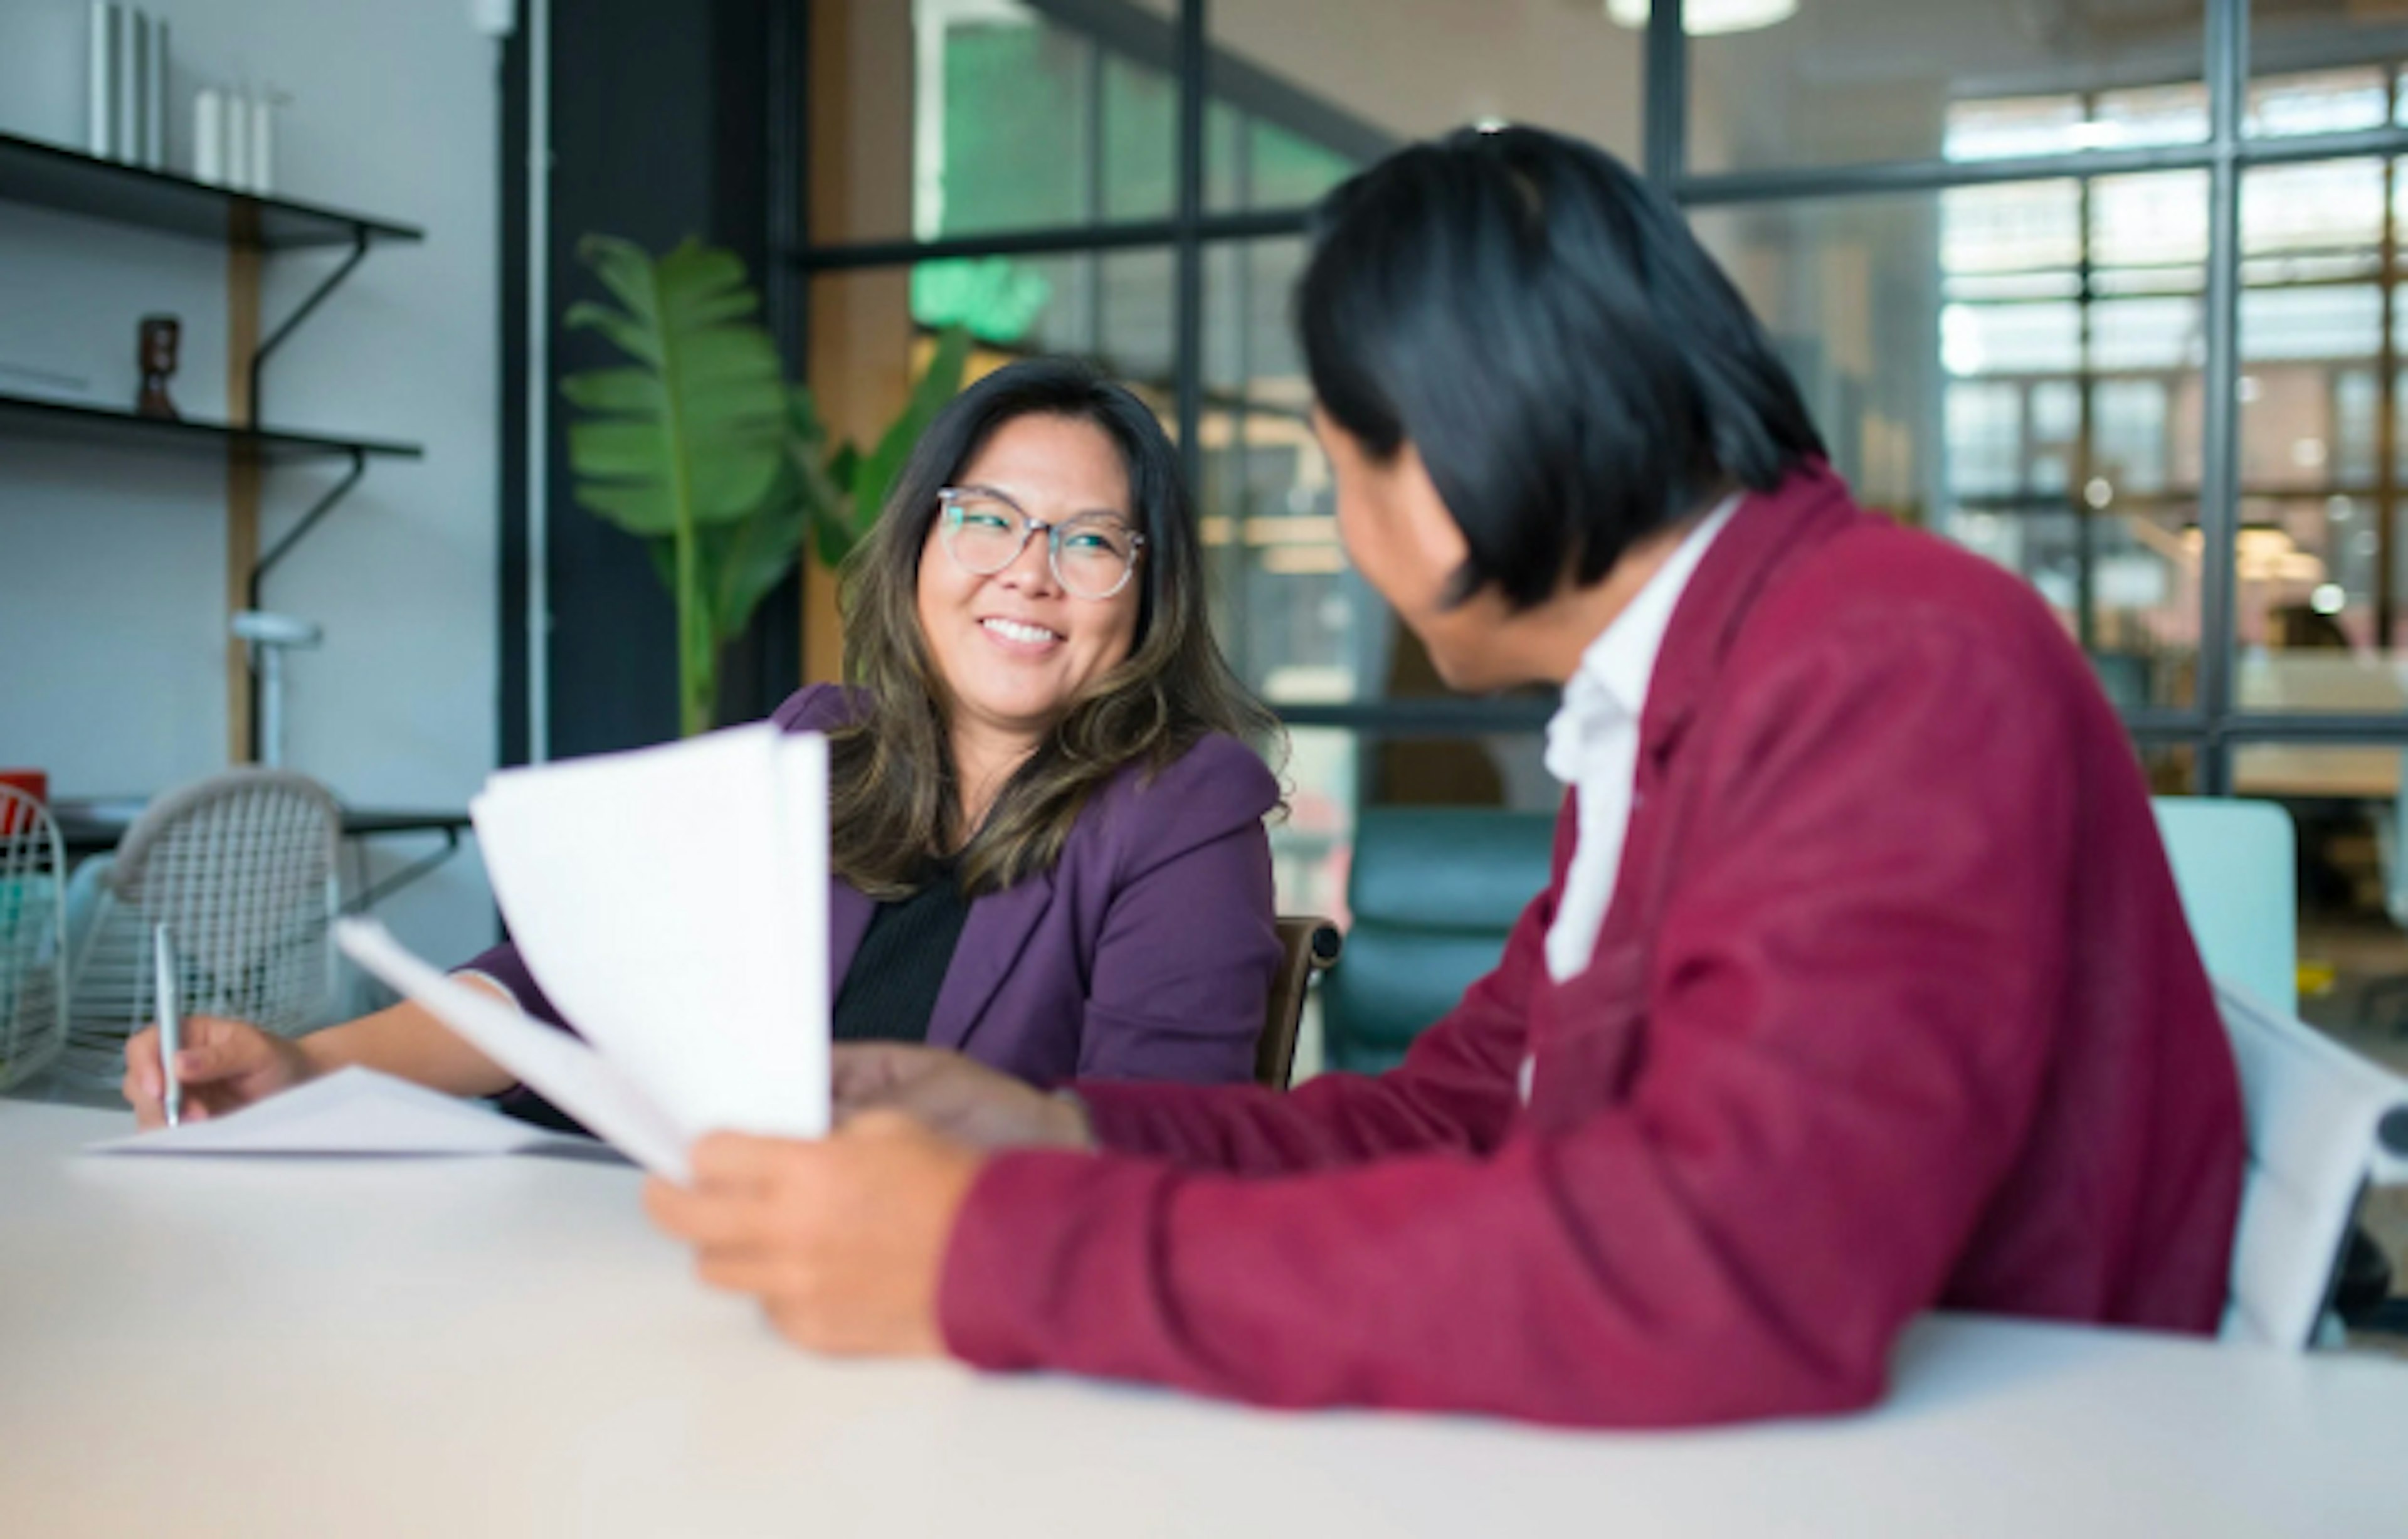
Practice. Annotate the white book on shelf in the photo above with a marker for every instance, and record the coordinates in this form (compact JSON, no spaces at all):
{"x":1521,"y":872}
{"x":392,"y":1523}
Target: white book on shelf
{"x":261,"y":159}
{"x":154,"y":101}
{"x":100,"y":120}
{"x":125,"y":90}
{"x":235,"y":123}
{"x":208,"y":135}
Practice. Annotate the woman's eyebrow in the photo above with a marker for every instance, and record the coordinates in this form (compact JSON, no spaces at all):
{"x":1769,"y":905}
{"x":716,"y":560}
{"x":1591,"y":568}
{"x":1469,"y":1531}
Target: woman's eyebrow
{"x":1021,"y":505}
{"x":989,"y":489}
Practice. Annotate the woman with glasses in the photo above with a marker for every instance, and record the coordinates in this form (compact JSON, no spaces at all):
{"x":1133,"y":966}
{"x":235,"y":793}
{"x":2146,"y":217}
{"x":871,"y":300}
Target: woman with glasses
{"x":1046,"y":825}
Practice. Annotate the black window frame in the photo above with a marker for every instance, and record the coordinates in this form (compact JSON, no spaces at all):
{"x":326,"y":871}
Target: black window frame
{"x":1202,"y":75}
{"x":2213,"y":724}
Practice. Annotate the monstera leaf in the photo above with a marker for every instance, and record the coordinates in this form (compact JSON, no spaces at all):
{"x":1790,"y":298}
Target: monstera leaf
{"x":698,"y":447}
{"x":859,"y":483}
{"x":684,"y":445}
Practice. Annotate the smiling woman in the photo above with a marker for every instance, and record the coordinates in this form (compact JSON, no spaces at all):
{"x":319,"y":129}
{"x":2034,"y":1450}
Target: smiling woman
{"x":1045,"y":819}
{"x":1027,"y":623}
{"x":1045,"y":804}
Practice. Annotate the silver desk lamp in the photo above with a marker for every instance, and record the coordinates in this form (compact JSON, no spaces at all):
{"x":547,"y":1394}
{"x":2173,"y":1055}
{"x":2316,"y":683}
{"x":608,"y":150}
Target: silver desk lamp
{"x":271,"y":636}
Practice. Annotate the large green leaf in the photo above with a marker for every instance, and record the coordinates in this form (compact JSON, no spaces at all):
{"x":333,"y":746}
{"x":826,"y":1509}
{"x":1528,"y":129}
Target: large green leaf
{"x":622,"y":391}
{"x":625,"y":269}
{"x":635,"y":339}
{"x":743,"y":561}
{"x":704,"y":438}
{"x":818,"y":483}
{"x":686,"y":447}
{"x":873,"y":475}
{"x":639,"y":510}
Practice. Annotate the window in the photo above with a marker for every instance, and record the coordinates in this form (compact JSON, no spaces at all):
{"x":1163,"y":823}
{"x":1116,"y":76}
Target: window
{"x":2191,"y":444}
{"x":1014,"y":166}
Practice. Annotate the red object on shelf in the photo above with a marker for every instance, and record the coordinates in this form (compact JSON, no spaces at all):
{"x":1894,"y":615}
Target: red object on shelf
{"x":34,"y":783}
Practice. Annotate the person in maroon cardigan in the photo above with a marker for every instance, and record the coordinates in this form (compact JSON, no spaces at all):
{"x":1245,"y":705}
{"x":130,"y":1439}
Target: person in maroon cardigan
{"x":1860,"y":988}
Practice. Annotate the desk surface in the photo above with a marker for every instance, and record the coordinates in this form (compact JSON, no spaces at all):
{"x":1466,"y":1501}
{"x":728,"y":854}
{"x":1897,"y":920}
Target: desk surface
{"x":271,"y":1347}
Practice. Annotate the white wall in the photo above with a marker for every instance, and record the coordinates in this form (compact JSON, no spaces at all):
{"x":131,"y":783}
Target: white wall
{"x":112,"y":569}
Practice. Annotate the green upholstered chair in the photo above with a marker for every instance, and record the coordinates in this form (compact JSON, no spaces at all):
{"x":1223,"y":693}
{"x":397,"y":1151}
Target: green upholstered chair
{"x":1434,"y":892}
{"x":2234,"y":868}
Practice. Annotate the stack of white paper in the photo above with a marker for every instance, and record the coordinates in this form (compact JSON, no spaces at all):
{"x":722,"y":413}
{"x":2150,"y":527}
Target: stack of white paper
{"x":350,"y":1112}
{"x":673,"y":904}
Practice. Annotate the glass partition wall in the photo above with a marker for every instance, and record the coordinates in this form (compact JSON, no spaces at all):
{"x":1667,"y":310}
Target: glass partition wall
{"x":2105,"y":291}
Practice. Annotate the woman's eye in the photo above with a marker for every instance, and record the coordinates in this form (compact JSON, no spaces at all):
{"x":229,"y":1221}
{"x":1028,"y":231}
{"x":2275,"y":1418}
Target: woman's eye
{"x":980,"y":519}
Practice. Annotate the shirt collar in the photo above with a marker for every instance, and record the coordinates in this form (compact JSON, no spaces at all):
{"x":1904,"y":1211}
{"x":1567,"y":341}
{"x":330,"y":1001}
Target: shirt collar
{"x":1610,"y":686}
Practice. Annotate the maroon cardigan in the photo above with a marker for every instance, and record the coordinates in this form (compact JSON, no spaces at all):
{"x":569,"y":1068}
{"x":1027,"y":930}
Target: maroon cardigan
{"x":1895,"y":1008}
{"x":1146,"y":952}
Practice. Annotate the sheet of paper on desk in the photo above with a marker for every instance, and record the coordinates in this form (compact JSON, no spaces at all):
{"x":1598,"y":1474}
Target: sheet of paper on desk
{"x":350,"y":1112}
{"x":563,"y":1071}
{"x":672,"y":901}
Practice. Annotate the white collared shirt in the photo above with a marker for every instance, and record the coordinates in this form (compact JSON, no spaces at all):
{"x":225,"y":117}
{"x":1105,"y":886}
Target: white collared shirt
{"x":1593,"y":743}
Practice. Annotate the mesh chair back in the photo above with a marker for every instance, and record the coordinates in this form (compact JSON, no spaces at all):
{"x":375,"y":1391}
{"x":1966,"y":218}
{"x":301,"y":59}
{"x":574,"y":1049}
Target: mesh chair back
{"x":241,"y":869}
{"x":2323,"y":1124}
{"x":33,"y":938}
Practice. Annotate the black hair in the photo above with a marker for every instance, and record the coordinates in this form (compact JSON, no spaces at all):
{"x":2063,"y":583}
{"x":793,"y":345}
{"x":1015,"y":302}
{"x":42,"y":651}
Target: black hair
{"x":1539,"y":323}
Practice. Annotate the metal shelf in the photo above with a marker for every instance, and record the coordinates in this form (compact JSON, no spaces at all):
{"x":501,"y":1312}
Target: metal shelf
{"x":48,"y":175}
{"x":67,"y":421}
{"x":70,"y":181}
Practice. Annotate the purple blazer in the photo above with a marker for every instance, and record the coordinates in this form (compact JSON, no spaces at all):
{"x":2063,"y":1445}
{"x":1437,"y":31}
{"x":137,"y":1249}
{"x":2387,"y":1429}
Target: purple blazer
{"x":1145,"y":954}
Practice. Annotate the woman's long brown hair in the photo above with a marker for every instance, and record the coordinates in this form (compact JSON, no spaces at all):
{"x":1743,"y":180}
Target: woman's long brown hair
{"x":893,"y":791}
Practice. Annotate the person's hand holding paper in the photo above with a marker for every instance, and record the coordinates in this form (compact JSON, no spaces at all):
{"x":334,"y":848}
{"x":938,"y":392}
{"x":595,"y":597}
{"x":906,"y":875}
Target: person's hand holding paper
{"x":841,"y":1240}
{"x":951,"y":1095}
{"x":689,"y":950}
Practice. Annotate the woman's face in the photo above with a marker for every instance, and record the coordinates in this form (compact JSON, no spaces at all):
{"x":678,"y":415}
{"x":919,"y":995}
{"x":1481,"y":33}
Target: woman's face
{"x":1013,"y":648}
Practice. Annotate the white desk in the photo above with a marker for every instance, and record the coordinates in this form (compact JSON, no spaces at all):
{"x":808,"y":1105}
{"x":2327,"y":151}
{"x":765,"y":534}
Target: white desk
{"x":470,"y":1347}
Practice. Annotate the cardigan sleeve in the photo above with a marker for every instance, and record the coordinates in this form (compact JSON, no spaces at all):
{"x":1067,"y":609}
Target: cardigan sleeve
{"x":1851,"y":1024}
{"x":1455,"y":1090}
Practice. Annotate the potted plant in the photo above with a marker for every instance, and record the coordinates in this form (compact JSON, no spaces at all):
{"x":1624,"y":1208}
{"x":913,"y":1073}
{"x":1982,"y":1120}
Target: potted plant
{"x":700,"y":448}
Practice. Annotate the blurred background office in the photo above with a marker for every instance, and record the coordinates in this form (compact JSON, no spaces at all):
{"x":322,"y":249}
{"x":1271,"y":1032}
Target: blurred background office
{"x":2106,"y":290}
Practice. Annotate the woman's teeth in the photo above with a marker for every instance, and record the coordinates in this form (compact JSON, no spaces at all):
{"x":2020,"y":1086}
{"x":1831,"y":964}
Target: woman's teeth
{"x":1015,"y":632}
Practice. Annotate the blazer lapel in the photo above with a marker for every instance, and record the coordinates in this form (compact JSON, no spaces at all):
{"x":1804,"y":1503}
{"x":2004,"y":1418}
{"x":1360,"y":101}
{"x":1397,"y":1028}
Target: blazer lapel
{"x":1767,"y":533}
{"x":998,"y":927}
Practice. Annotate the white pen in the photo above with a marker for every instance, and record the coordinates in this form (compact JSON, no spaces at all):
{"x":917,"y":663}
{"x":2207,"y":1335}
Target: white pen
{"x":171,"y":1024}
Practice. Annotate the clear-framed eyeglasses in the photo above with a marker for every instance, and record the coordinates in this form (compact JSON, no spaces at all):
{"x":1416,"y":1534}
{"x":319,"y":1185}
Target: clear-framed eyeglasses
{"x":984,"y":532}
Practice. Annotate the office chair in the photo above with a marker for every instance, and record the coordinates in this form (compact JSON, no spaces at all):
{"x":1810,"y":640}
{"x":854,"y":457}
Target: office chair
{"x":2236,"y":872}
{"x":33,"y":938}
{"x":2323,"y":1124}
{"x":1434,"y":892}
{"x":241,"y":869}
{"x":1308,"y":944}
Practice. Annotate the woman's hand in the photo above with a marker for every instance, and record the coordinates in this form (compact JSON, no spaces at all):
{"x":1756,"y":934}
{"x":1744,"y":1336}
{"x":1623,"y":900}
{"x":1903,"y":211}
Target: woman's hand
{"x":223,"y":1065}
{"x":842,"y":1240}
{"x":966,"y":1101}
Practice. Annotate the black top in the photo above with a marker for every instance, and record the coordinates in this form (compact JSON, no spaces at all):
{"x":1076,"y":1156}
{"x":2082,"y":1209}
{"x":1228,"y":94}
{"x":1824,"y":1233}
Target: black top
{"x":890,"y":991}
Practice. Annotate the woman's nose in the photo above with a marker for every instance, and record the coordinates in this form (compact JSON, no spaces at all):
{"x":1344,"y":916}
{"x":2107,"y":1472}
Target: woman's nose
{"x":1032,"y":569}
